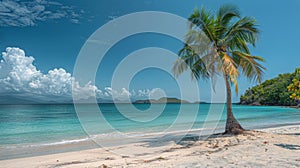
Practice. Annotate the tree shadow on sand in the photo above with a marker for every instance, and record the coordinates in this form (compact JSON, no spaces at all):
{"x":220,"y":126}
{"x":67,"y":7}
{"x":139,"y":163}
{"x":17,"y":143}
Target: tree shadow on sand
{"x":186,"y":140}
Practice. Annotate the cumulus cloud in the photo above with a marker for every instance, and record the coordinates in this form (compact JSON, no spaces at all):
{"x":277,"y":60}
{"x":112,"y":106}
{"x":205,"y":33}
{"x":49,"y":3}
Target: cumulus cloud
{"x":20,"y":78}
{"x":29,"y":13}
{"x":122,"y":94}
{"x":19,"y":75}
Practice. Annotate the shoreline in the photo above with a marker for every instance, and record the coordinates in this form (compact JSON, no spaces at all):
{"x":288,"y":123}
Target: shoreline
{"x":169,"y":153}
{"x":296,"y":106}
{"x":87,"y":143}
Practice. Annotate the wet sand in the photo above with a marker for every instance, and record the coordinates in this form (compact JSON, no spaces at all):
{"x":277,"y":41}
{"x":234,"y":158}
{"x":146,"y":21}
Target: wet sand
{"x":271,"y":147}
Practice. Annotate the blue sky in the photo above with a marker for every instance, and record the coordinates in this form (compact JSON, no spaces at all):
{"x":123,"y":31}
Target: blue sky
{"x":53,"y":32}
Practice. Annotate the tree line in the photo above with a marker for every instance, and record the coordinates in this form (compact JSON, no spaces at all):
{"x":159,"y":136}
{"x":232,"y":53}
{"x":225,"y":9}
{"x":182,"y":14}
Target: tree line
{"x":283,"y":90}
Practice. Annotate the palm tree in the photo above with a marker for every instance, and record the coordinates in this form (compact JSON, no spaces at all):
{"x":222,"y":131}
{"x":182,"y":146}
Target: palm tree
{"x":217,"y":44}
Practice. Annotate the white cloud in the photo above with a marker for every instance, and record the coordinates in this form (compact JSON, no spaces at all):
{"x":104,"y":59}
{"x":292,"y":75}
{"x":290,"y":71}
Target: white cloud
{"x":29,"y":13}
{"x":122,"y":94}
{"x":19,"y":77}
{"x":143,"y":93}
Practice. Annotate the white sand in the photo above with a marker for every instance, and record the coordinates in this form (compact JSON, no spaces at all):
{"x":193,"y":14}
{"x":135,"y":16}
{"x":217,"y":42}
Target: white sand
{"x":271,"y":148}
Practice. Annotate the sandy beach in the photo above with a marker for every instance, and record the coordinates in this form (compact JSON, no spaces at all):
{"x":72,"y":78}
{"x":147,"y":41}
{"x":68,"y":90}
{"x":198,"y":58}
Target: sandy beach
{"x":271,"y":147}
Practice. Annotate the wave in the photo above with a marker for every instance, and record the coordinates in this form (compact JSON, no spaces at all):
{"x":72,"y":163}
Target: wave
{"x":134,"y":135}
{"x":62,"y":142}
{"x":104,"y":136}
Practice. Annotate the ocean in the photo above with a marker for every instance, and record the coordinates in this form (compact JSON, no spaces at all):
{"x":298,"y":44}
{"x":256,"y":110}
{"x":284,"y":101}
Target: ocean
{"x":29,"y":130}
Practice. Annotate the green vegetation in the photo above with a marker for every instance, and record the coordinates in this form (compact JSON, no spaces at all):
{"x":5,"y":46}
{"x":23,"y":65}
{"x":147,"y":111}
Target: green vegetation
{"x":294,"y":87}
{"x":217,"y":43}
{"x":274,"y":91}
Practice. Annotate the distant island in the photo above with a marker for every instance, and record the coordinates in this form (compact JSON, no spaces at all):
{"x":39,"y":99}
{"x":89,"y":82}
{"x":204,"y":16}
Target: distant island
{"x":167,"y":100}
{"x":161,"y":100}
{"x":201,"y":102}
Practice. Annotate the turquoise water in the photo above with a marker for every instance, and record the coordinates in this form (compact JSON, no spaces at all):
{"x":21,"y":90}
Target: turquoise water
{"x":59,"y":124}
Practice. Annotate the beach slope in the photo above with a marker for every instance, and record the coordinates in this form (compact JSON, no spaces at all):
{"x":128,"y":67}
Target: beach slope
{"x":272,"y":147}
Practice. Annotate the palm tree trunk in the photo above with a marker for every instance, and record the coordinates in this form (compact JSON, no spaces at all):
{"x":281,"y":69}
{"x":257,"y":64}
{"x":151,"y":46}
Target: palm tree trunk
{"x":232,"y":125}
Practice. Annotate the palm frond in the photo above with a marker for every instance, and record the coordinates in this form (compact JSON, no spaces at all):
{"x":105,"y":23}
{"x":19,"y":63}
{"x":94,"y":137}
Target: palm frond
{"x":226,"y":14}
{"x":249,"y":65}
{"x":189,"y":60}
{"x":238,"y":44}
{"x":244,"y":29}
{"x":204,"y":20}
{"x":198,"y":41}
